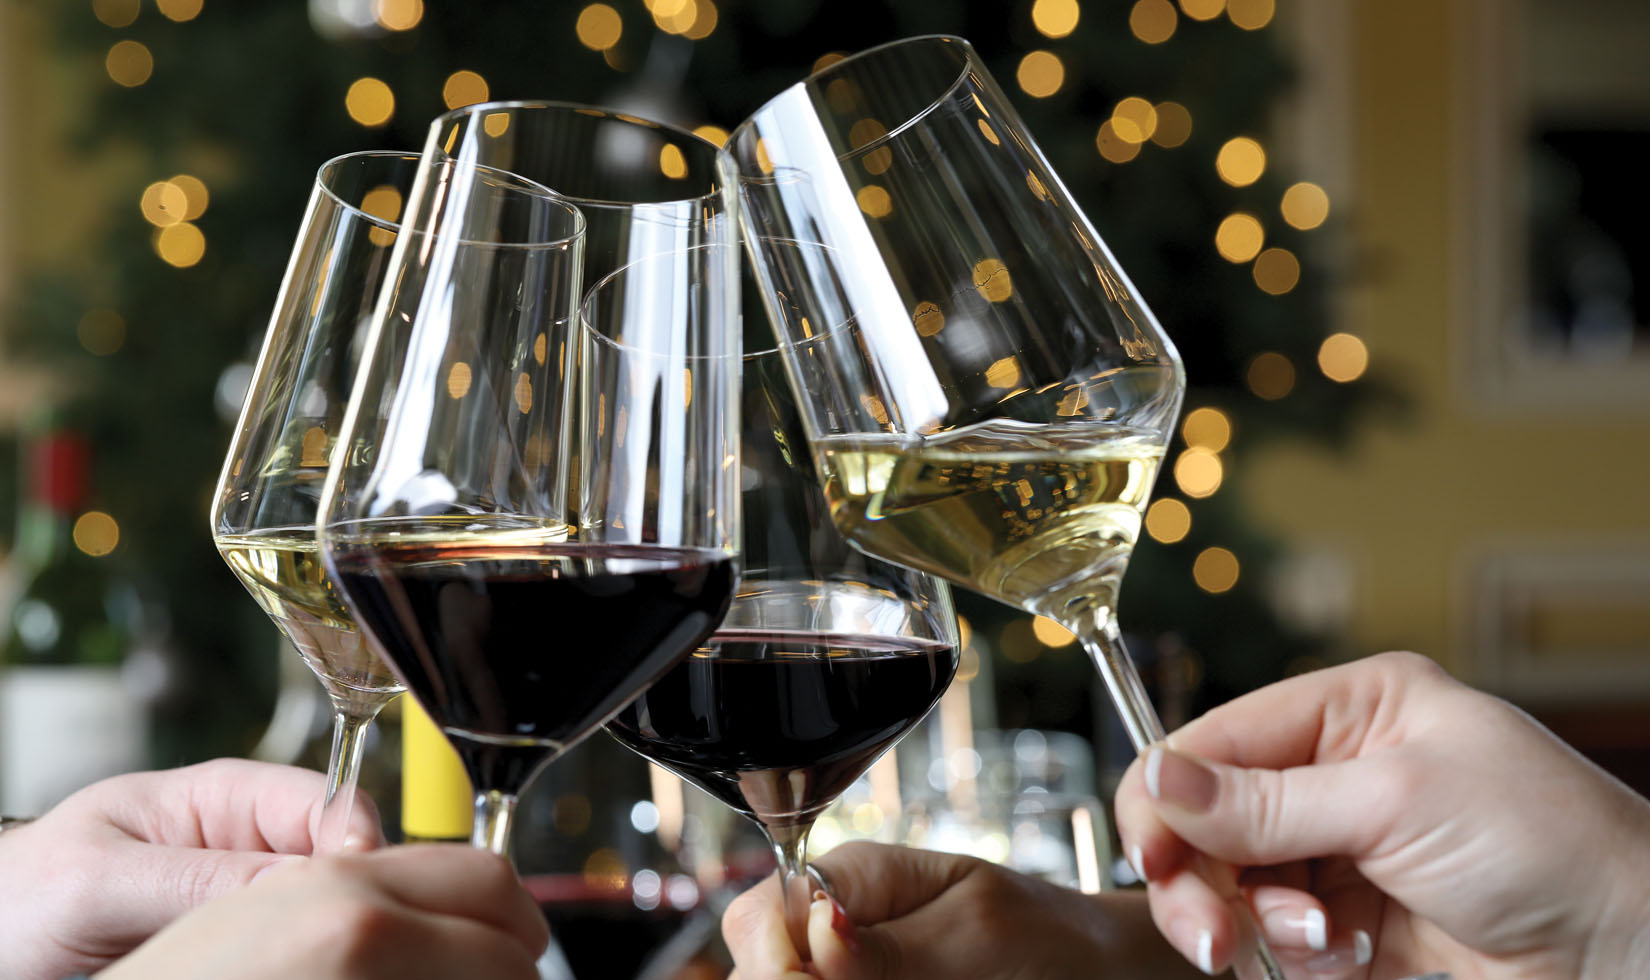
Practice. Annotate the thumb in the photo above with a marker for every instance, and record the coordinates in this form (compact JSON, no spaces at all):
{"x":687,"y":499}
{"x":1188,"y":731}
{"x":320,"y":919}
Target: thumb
{"x":1271,"y":816}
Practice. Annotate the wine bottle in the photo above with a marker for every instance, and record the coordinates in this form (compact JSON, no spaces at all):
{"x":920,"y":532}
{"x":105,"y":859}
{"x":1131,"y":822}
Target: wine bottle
{"x":437,"y":803}
{"x":67,"y":717}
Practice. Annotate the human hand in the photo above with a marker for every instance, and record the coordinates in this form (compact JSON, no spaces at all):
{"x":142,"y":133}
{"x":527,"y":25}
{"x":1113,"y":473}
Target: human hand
{"x":110,"y":865}
{"x":923,"y":914}
{"x":1392,"y":822}
{"x":421,"y":912}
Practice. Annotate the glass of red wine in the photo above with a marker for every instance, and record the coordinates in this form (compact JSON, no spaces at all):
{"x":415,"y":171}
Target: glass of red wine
{"x":826,"y":658}
{"x":522,"y":576}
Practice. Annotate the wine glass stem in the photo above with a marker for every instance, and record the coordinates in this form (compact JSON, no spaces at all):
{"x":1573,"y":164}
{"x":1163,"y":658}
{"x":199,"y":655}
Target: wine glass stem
{"x":349,"y":739}
{"x":790,"y":847}
{"x":494,"y":809}
{"x":1104,"y":644}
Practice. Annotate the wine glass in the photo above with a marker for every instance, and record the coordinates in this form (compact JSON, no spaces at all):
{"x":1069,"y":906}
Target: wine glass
{"x":826,"y":658}
{"x":990,"y":399}
{"x":524,"y":573}
{"x":263,"y":512}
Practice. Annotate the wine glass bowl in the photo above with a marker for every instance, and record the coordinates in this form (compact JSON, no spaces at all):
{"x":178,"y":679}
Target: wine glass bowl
{"x":263,"y":511}
{"x":538,"y":524}
{"x":1000,"y":398}
{"x":827,"y":657}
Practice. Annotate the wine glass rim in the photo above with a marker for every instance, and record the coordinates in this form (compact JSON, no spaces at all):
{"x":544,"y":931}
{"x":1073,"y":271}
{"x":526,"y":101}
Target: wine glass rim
{"x":594,"y":112}
{"x":814,"y":78}
{"x":396,"y":227}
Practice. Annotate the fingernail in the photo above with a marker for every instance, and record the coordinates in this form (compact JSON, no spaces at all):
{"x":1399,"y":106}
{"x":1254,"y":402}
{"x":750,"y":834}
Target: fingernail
{"x":1284,"y":926}
{"x":840,"y":923}
{"x":1177,"y":779}
{"x":1196,"y":944}
{"x":355,"y":843}
{"x":1137,"y":861}
{"x":1361,"y":951}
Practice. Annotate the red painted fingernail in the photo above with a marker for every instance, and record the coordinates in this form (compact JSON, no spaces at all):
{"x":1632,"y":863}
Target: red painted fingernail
{"x":840,"y":923}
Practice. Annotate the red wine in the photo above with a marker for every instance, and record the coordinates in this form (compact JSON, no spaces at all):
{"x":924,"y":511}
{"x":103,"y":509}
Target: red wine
{"x":520,"y":649}
{"x":777,"y":723}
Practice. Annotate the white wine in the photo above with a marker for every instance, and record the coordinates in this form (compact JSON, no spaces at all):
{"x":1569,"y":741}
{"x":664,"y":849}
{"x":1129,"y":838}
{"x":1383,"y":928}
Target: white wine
{"x":1040,"y":516}
{"x":282,"y":569}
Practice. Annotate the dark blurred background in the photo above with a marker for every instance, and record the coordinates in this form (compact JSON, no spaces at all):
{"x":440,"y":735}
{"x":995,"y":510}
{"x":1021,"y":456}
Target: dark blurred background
{"x":1401,"y":246}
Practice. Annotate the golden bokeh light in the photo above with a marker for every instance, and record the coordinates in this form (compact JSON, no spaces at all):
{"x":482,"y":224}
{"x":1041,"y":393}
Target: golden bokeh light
{"x":992,"y":281}
{"x":129,"y":63}
{"x":874,"y":201}
{"x":1270,"y":376}
{"x":181,"y":245}
{"x":164,"y":203}
{"x":96,"y":533}
{"x":1215,"y":570}
{"x":1174,"y":125}
{"x":115,"y":13}
{"x":712,"y":134}
{"x":1050,"y":633}
{"x":704,"y":22}
{"x":675,"y":16}
{"x":464,"y":87}
{"x":1114,"y":147}
{"x":495,"y":124}
{"x":1134,"y":120}
{"x":599,"y":27}
{"x":1041,"y":73}
{"x":1198,"y":473}
{"x":179,"y":10}
{"x":1153,"y":21}
{"x":604,"y":868}
{"x":989,"y":133}
{"x":1004,"y":373}
{"x":826,"y":60}
{"x":369,"y":102}
{"x":928,"y":319}
{"x":400,"y":15}
{"x":458,"y":380}
{"x":1277,"y":271}
{"x":1251,"y":15}
{"x":195,"y":192}
{"x":1305,"y":205}
{"x":1168,"y":520}
{"x":101,"y":332}
{"x":313,"y":450}
{"x":1202,"y":9}
{"x":1207,"y":428}
{"x":865,"y":131}
{"x":1055,"y":18}
{"x":1239,"y":237}
{"x":523,"y":393}
{"x":842,"y":94}
{"x":383,"y":201}
{"x":671,"y":162}
{"x":540,"y":347}
{"x":1240,"y":161}
{"x":1343,"y":357}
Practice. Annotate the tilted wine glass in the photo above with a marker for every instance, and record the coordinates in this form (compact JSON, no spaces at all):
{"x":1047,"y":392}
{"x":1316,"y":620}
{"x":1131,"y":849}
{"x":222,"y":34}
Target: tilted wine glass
{"x":263,"y":512}
{"x":989,"y":399}
{"x":460,"y":524}
{"x":827,"y":657}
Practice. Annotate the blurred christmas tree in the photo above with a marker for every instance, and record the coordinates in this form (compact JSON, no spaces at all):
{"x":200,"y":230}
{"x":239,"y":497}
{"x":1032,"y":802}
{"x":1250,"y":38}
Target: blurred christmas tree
{"x":1155,"y":115}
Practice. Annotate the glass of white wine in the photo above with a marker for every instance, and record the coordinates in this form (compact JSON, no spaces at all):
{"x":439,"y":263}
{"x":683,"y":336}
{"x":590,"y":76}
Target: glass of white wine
{"x":986,"y":394}
{"x":263,"y":514}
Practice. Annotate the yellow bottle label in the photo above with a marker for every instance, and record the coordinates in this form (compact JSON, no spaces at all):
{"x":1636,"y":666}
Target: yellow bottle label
{"x":436,"y":800}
